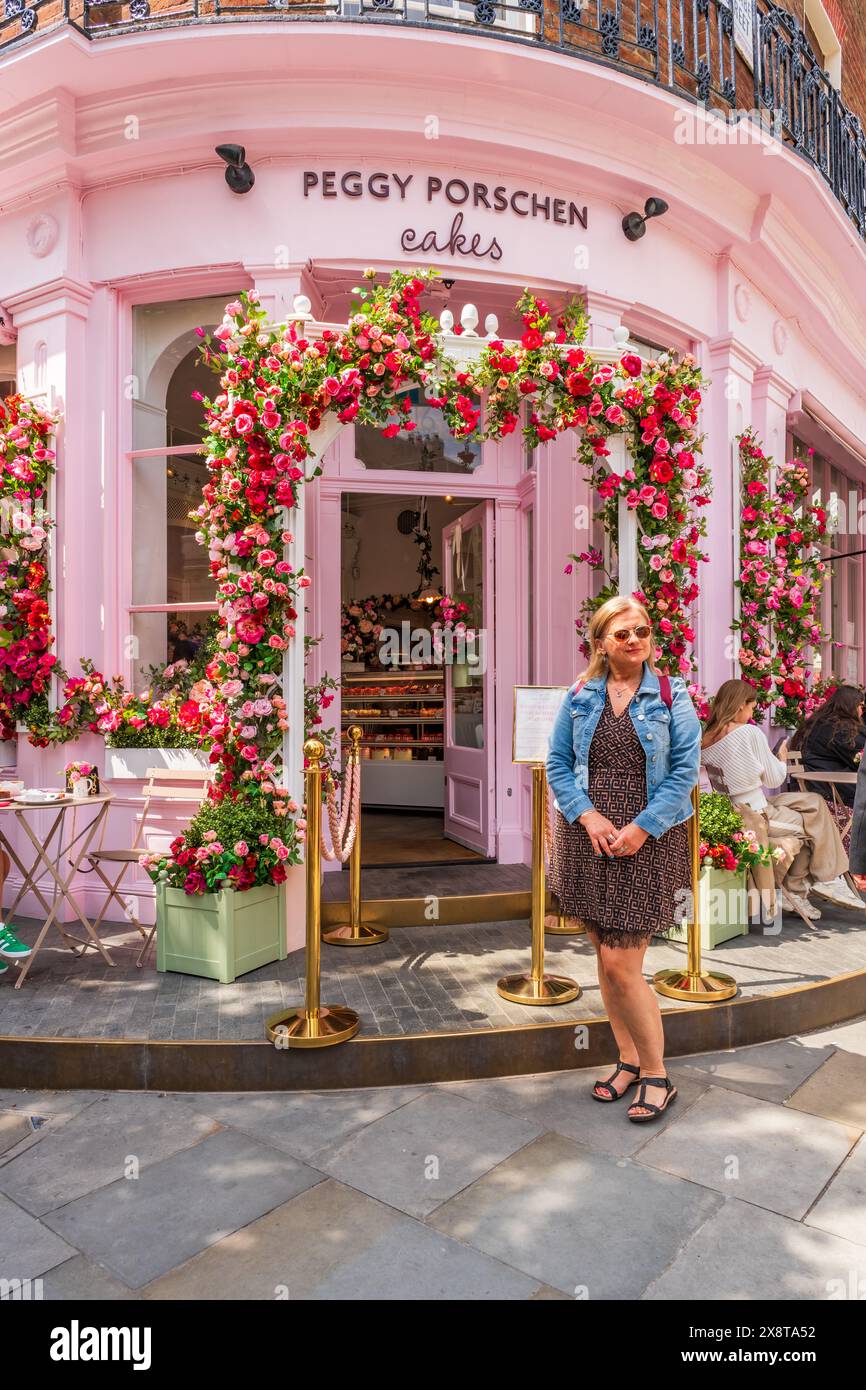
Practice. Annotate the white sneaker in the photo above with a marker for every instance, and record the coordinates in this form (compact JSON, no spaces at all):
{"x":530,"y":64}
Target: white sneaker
{"x":801,"y":904}
{"x":838,"y":891}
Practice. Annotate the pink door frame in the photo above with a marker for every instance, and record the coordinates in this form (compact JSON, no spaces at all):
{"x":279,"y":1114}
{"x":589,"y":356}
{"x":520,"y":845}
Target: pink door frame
{"x":470,"y":816}
{"x":499,"y":479}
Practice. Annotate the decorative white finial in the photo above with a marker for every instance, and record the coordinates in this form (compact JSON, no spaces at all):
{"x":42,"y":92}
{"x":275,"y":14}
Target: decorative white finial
{"x":469,"y":320}
{"x":620,"y":338}
{"x":302,"y":306}
{"x":446,"y":319}
{"x":491,"y":326}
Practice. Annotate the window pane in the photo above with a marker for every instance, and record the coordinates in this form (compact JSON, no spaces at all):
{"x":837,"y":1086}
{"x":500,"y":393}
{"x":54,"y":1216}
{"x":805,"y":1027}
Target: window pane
{"x":168,"y":566}
{"x":467,"y":679}
{"x":160,"y":638}
{"x":429,"y":448}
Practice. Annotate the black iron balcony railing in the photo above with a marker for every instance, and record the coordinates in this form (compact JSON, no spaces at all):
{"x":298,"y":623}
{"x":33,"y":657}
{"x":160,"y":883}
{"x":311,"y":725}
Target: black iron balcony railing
{"x":749,"y":60}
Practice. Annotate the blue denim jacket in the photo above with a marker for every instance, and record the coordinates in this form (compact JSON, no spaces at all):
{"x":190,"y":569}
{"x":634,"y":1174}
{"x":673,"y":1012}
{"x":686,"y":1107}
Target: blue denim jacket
{"x":671,"y":740}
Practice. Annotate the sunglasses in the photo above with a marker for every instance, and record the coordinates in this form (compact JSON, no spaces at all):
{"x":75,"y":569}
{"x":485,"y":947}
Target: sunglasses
{"x":622,"y":634}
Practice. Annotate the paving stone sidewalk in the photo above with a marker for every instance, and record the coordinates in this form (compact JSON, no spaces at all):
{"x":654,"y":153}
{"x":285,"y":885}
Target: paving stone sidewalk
{"x":426,"y":979}
{"x":753,"y":1186}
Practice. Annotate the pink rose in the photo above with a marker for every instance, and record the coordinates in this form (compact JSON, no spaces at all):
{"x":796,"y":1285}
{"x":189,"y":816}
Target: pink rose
{"x":250,"y":631}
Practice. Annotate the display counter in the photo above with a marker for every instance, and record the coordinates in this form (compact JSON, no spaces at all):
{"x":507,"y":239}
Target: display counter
{"x":402,"y":714}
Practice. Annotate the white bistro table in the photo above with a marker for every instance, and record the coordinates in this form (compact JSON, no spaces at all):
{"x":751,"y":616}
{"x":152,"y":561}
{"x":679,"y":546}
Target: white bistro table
{"x":49,"y":853}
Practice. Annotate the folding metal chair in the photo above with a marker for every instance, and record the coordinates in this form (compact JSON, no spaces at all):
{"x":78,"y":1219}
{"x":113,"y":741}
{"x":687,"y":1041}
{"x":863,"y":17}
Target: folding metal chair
{"x":844,"y":813}
{"x":159,"y":786}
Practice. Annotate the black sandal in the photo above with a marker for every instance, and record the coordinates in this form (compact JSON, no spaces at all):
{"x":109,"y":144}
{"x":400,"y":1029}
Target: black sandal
{"x":657,"y":1110}
{"x":616,"y":1095}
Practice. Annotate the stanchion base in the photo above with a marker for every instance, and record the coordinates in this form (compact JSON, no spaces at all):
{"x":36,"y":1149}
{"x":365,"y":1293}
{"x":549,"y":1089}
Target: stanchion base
{"x":707,"y":988}
{"x":550,"y":989}
{"x":347,"y":935}
{"x":556,"y":926}
{"x":312,"y":1027}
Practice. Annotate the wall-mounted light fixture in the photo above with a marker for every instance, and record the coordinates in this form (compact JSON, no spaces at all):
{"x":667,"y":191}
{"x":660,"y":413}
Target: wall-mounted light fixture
{"x":239,"y":176}
{"x":634,"y":223}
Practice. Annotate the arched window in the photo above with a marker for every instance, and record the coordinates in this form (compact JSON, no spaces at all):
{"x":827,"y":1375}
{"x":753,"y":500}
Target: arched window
{"x":170,"y":595}
{"x":428,"y":448}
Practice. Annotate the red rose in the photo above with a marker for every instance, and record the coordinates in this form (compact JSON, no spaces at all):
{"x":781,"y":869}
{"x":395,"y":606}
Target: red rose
{"x":661,"y":471}
{"x":632,"y":364}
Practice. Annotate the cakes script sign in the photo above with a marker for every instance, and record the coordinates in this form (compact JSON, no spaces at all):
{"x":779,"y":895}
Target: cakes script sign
{"x":456,"y":239}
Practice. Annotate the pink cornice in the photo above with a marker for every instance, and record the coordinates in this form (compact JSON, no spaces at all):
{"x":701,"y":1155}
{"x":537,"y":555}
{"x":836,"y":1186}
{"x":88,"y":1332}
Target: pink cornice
{"x":735,"y":354}
{"x":62,"y":295}
{"x":769,"y":381}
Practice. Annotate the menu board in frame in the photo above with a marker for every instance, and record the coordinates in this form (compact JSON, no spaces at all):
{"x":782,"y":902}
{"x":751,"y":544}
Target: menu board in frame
{"x":535,"y":709}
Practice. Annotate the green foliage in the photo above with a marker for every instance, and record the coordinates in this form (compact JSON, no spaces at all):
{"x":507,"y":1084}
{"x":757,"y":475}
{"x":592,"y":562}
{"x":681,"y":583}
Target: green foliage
{"x":719,"y":820}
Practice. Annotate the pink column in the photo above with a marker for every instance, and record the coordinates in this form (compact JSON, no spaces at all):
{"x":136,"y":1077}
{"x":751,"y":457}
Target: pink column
{"x":562,"y":505}
{"x":771,"y":400}
{"x":605,"y":314}
{"x":276,"y":286}
{"x":52,"y":328}
{"x":727,"y":412}
{"x":508,"y":600}
{"x":53,"y":337}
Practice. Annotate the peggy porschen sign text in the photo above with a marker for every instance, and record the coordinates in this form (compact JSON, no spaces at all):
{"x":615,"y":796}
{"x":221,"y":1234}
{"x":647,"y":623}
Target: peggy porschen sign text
{"x":456,"y":239}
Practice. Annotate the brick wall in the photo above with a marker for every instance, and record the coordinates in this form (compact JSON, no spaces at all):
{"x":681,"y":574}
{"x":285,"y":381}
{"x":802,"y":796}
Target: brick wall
{"x":848,"y":18}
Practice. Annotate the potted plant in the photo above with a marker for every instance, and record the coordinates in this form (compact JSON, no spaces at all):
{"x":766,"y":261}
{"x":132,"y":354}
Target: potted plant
{"x":82,"y":780}
{"x":728,"y":851}
{"x":219,"y":890}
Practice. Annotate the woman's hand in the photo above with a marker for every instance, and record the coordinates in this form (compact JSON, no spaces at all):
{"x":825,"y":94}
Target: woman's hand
{"x":600,"y":830}
{"x":628,"y":840}
{"x":782,"y":751}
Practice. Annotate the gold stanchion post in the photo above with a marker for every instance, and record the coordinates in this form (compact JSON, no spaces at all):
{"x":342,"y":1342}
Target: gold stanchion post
{"x":355,"y":932}
{"x":311,"y":1024}
{"x":708,"y":986}
{"x":536,"y":987}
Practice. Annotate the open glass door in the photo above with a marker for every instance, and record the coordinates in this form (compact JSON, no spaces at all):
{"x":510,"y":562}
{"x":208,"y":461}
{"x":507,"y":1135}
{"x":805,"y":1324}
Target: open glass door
{"x":469,"y":714}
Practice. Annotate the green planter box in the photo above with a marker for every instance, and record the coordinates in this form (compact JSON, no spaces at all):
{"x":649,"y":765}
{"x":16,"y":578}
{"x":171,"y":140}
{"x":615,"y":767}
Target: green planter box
{"x":219,"y":935}
{"x":724,"y":908}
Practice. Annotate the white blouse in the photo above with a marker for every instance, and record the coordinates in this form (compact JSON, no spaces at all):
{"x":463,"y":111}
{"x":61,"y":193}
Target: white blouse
{"x":741,"y":763}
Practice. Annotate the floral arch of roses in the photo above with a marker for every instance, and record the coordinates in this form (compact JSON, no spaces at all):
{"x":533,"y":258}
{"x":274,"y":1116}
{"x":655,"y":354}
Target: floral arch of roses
{"x":27,"y":662}
{"x":780,"y":582}
{"x":277,"y":383}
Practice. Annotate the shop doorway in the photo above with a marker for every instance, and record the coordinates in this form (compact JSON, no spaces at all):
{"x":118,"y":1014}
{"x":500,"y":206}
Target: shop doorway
{"x":417,"y":675}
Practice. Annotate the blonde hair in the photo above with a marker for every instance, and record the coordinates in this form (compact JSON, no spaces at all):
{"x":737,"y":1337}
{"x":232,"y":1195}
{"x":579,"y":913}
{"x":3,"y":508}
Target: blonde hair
{"x":600,"y":621}
{"x":728,"y":699}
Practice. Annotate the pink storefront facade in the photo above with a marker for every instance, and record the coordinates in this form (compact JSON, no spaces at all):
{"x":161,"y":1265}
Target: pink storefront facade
{"x":502,"y":166}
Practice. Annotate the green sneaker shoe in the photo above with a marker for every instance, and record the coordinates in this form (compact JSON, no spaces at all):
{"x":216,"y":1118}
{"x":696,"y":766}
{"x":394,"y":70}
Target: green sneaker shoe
{"x":11,"y":947}
{"x":3,"y":968}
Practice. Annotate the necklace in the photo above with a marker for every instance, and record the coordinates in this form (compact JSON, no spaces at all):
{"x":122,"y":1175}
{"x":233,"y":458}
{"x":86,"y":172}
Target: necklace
{"x":620,"y":691}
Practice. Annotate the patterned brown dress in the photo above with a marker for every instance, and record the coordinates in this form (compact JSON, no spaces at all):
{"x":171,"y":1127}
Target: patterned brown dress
{"x":624,"y":900}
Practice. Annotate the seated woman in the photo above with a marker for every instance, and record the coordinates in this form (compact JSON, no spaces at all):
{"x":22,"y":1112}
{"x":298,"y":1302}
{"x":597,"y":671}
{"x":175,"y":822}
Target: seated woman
{"x":831,"y":739}
{"x":739,"y":763}
{"x":10,"y":947}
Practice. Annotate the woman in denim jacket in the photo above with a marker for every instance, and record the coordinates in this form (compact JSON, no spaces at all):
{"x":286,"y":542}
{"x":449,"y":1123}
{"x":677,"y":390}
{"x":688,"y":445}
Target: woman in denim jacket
{"x":622,"y":766}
